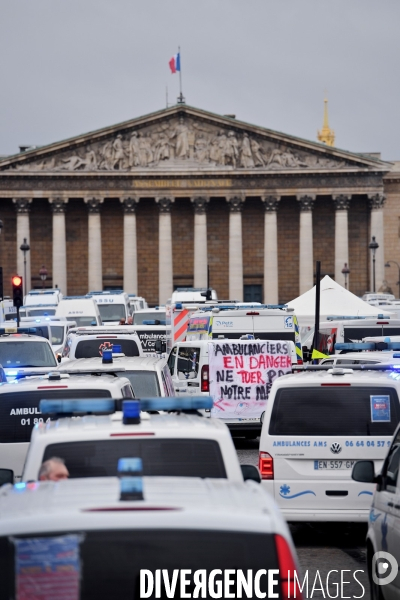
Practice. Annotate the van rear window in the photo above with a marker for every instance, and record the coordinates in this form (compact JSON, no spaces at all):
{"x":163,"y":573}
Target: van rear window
{"x":162,"y":457}
{"x":19,"y":411}
{"x":110,"y":560}
{"x":94,"y":347}
{"x":332,"y":411}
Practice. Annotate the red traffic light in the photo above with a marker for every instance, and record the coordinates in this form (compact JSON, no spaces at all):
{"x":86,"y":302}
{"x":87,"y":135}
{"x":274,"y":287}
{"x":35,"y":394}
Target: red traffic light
{"x":16,"y":280}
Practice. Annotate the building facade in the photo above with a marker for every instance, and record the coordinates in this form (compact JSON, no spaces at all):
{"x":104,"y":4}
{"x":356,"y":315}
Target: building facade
{"x":182,"y":197}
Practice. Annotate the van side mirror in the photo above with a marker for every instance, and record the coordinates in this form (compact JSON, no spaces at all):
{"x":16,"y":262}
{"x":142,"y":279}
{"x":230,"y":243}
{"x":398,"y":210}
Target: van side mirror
{"x":160,"y":346}
{"x":58,"y":358}
{"x":6,"y":476}
{"x":364,"y":471}
{"x":250,"y":473}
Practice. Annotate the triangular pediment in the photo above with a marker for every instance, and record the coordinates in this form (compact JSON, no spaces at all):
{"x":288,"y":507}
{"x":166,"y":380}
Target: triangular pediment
{"x":183,"y":138}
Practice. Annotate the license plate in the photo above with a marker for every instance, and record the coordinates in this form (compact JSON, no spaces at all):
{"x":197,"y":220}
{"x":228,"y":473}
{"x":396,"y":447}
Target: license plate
{"x":327,"y":465}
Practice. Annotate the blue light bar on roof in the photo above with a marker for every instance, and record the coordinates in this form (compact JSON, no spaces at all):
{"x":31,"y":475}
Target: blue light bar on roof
{"x":87,"y":406}
{"x":18,"y":330}
{"x":177,"y":404}
{"x":131,"y":488}
{"x":368,"y":346}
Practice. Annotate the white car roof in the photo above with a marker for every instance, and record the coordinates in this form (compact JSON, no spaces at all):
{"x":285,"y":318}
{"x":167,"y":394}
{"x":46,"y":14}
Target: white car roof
{"x":87,"y":504}
{"x":66,"y":381}
{"x":102,"y":426}
{"x":102,"y":330}
{"x":23,"y":337}
{"x":129,"y":363}
{"x":354,"y":377}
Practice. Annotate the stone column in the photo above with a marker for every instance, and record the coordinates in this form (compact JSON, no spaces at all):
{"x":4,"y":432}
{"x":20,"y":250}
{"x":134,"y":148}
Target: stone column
{"x":306,"y":264}
{"x":130,"y":245}
{"x":235,"y":248}
{"x":200,"y":241}
{"x":342,"y":203}
{"x":58,"y":206}
{"x":376,"y":203}
{"x":271,"y":204}
{"x":95,"y":265}
{"x":165,"y":265}
{"x":23,"y":206}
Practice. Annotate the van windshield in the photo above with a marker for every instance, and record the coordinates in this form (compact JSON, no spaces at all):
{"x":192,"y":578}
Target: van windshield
{"x":338,"y":411}
{"x":40,"y":312}
{"x":57,"y":334}
{"x":83,"y":321}
{"x":167,"y":457}
{"x":144,"y":383}
{"x":26,"y":354}
{"x":94,"y":347}
{"x":112,"y":312}
{"x":159,"y":317}
{"x":107,"y":562}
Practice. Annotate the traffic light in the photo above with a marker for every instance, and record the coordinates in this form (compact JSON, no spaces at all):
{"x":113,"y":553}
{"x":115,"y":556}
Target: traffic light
{"x":18,"y":294}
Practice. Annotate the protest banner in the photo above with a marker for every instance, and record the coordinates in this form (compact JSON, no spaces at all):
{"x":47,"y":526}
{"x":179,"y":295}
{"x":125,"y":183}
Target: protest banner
{"x":242,"y":373}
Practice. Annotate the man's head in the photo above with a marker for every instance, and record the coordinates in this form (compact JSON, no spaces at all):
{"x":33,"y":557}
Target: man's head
{"x":53,"y":469}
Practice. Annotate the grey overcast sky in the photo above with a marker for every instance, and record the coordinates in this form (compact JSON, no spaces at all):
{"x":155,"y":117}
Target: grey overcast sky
{"x":73,"y":66}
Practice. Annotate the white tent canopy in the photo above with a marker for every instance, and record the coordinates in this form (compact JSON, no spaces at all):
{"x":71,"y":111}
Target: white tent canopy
{"x":335,"y":301}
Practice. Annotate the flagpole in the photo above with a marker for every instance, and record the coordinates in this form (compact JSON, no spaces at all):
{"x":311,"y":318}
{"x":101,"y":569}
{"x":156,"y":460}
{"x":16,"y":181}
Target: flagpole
{"x":181,"y":98}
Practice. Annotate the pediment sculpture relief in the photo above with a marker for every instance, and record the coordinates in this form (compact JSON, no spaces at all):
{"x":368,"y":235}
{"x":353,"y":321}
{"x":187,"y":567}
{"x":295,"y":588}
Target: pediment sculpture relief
{"x":179,"y":144}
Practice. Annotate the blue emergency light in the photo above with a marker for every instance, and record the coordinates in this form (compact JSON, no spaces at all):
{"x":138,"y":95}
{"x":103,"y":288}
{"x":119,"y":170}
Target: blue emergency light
{"x":177,"y":404}
{"x":70,"y":407}
{"x":131,"y":483}
{"x":107,"y":356}
{"x":131,"y":488}
{"x":130,"y":412}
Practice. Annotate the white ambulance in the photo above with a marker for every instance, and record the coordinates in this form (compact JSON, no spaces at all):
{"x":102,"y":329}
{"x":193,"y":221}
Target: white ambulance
{"x":81,"y":309}
{"x":113,"y":305}
{"x":316,"y":426}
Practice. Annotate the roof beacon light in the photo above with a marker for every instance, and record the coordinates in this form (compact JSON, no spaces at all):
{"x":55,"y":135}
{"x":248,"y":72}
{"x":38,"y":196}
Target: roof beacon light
{"x":131,"y":412}
{"x":130,"y":471}
{"x":107,"y":357}
{"x":177,"y":404}
{"x":73,"y":407}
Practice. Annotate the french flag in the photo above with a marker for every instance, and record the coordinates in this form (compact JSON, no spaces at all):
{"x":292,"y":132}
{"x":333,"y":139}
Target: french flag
{"x":175,"y":63}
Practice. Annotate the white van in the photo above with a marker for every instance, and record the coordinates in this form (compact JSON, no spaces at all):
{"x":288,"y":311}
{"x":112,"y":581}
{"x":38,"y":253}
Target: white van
{"x":81,"y":309}
{"x":20,"y":411}
{"x":47,"y":296}
{"x":354,"y":329}
{"x":239,"y":385}
{"x":197,"y":295}
{"x":261,"y":322}
{"x":113,"y":306}
{"x":316,"y":426}
{"x":137,"y":302}
{"x":59,"y":329}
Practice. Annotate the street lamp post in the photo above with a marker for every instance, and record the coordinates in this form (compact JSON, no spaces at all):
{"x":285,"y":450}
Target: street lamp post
{"x":25,"y":247}
{"x":373,"y":246}
{"x":43,"y":275}
{"x":346,"y":272}
{"x":387,"y":264}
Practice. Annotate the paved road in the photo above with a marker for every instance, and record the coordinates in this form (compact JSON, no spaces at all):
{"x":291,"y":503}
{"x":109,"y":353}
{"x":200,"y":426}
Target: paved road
{"x":324,"y":548}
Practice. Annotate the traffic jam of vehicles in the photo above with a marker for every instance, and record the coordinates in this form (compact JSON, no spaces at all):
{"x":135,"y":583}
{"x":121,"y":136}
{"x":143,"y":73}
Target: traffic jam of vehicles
{"x":119,"y":425}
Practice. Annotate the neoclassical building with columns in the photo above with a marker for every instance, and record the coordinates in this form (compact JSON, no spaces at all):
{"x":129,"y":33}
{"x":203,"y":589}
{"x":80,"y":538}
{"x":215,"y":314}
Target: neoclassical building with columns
{"x":182,"y":196}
